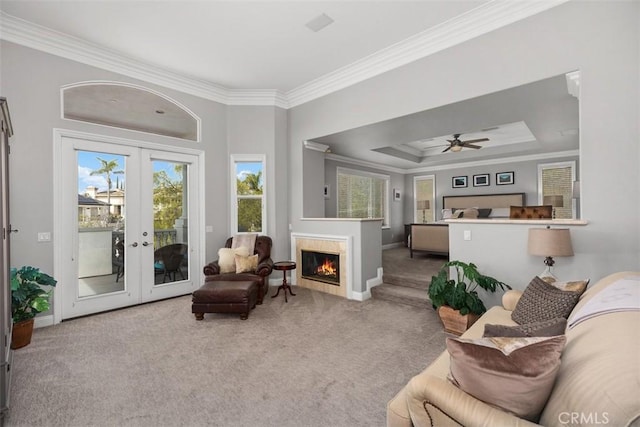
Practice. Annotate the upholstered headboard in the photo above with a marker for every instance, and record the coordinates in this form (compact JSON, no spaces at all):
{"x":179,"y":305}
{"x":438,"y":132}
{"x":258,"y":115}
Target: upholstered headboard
{"x":484,"y":201}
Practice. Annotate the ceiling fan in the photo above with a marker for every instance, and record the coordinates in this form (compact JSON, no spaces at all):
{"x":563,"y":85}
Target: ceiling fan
{"x":456,"y":145}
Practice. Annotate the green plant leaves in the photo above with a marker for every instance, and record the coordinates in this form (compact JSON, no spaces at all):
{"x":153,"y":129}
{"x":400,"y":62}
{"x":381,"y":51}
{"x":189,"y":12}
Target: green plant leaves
{"x":460,"y":294}
{"x":28,"y":298}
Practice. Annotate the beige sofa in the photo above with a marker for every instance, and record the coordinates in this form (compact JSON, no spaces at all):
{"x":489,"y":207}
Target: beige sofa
{"x":431,"y":238}
{"x":598,"y":382}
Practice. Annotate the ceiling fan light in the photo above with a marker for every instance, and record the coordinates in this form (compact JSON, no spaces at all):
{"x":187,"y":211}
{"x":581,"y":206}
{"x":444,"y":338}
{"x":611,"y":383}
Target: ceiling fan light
{"x":456,"y":148}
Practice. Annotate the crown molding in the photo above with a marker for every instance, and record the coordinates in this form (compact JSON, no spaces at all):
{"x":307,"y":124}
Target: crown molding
{"x":364,"y":163}
{"x":483,"y":19}
{"x":450,"y":166}
{"x":496,"y":161}
{"x":476,"y":22}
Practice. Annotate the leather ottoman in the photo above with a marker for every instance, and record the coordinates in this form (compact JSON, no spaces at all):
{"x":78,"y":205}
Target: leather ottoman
{"x":219,"y":296}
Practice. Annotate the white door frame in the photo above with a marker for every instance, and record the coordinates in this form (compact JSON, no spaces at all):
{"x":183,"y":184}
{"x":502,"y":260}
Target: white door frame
{"x":59,"y":204}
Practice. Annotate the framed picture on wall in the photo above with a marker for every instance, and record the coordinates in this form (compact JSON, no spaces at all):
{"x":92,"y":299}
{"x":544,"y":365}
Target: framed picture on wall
{"x":396,"y":194}
{"x":481,"y":180}
{"x":459,"y":182}
{"x":504,"y":178}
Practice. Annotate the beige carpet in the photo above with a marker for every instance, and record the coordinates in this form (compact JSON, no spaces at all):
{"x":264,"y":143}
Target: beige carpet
{"x":318,"y":360}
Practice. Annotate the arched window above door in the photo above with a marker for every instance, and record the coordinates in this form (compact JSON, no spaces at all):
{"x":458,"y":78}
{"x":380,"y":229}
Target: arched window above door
{"x":130,"y":107}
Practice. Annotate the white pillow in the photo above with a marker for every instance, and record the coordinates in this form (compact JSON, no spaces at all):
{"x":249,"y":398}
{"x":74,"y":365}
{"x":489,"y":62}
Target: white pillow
{"x":447,"y":213}
{"x":227,"y":258}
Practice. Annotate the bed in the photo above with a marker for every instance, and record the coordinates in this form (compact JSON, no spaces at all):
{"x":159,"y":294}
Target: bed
{"x":433,"y":238}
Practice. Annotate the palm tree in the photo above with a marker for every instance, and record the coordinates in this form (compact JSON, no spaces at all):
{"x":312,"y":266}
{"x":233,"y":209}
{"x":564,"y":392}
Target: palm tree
{"x":107,"y":169}
{"x":253,"y":182}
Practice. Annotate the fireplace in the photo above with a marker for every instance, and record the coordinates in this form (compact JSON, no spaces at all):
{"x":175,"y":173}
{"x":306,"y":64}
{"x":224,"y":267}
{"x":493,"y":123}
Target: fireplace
{"x":321,"y":266}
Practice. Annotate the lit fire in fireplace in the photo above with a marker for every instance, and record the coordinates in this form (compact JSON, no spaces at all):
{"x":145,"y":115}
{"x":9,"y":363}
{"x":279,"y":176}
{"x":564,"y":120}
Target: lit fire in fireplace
{"x":327,"y":268}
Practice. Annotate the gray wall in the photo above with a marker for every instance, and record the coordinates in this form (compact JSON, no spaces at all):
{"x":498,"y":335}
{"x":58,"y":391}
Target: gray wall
{"x":525,"y":181}
{"x":31,"y":82}
{"x":553,"y":42}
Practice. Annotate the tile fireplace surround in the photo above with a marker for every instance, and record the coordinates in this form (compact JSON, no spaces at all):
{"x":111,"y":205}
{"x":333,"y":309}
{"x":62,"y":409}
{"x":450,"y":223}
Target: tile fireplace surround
{"x":341,"y":245}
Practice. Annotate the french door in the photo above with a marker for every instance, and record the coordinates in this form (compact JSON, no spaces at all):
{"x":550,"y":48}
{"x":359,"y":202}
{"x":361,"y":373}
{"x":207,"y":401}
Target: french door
{"x":127,"y":224}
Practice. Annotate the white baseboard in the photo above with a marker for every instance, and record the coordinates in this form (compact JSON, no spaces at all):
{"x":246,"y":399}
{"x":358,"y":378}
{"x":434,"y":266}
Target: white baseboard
{"x":363,"y":296}
{"x":392,"y":245}
{"x":42,"y":321}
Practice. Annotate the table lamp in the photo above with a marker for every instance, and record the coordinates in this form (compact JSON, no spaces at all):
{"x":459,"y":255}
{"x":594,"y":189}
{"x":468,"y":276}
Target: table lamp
{"x":555,"y":201}
{"x":423,"y":205}
{"x":549,"y":242}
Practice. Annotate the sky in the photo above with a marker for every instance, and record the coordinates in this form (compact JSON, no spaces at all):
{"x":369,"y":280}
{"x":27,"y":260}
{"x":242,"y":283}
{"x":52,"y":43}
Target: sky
{"x":244,"y":168}
{"x":88,"y":162}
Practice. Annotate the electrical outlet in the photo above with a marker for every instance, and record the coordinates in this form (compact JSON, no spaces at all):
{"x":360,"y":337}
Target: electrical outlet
{"x":44,"y":236}
{"x":467,"y":234}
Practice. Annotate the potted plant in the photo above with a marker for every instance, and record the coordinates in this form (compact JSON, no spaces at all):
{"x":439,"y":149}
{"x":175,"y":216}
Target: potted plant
{"x":28,"y":298}
{"x":457,"y":301}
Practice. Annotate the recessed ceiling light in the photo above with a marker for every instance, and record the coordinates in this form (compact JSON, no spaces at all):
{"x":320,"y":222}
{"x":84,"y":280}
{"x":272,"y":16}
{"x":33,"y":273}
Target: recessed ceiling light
{"x":319,"y":22}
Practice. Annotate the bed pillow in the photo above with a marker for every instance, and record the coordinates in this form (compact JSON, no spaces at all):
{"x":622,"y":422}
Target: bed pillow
{"x":246,"y":264}
{"x":227,"y":258}
{"x":542,"y":301}
{"x":514,"y":374}
{"x":484,"y":212}
{"x":447,"y":213}
{"x":546,"y":328}
{"x":465,"y":213}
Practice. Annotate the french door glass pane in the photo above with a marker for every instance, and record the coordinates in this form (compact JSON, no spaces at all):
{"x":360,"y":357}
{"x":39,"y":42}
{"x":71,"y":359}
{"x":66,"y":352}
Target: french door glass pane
{"x":101,"y":223}
{"x":170,"y":222}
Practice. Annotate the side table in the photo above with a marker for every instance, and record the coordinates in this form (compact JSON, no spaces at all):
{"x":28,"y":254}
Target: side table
{"x":284,"y":266}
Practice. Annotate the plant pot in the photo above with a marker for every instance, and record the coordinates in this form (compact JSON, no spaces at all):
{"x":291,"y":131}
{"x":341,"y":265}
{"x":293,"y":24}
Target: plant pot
{"x":21,"y":335}
{"x":454,"y":322}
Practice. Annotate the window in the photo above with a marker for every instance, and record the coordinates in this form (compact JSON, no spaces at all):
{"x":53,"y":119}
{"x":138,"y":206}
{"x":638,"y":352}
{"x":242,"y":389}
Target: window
{"x":248,"y":196}
{"x":555,"y":187}
{"x":363,"y":195}
{"x":424,"y":207}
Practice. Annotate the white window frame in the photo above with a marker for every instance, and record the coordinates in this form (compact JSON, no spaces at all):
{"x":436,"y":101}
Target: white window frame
{"x":242,"y":158}
{"x":556,"y":165}
{"x":385,"y":178}
{"x":415,"y":196}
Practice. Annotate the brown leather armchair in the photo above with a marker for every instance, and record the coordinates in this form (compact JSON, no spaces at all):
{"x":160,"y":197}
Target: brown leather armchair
{"x":261,"y":275}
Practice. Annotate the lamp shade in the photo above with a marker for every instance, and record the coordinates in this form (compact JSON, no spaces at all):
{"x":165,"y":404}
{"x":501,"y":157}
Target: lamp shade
{"x":555,"y":201}
{"x":550,"y":242}
{"x":423,"y":204}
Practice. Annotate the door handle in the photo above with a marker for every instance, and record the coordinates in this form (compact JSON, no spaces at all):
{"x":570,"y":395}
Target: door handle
{"x":134,"y":244}
{"x":145,"y":243}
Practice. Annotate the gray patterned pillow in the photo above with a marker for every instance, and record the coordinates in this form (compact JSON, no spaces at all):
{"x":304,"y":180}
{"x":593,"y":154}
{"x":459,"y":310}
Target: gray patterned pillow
{"x":542,"y":301}
{"x":546,"y":328}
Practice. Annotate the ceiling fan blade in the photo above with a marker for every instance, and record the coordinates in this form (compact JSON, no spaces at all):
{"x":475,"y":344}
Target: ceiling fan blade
{"x":475,"y":140}
{"x":451,"y":140}
{"x":471,"y":146}
{"x":446,"y":149}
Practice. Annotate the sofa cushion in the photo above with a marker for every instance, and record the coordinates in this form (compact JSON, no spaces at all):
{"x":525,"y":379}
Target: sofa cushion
{"x":545,"y":328}
{"x":246,"y":264}
{"x":227,"y":258}
{"x":573,"y":285}
{"x":514,"y":374}
{"x":543,"y":301}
